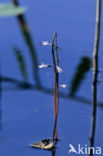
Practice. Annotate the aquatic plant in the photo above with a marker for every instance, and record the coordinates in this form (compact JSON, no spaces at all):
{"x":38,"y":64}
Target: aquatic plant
{"x":57,"y":70}
{"x":8,"y":9}
{"x":95,"y":75}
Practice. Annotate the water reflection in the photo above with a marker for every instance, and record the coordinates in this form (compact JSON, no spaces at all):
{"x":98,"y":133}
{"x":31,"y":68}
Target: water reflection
{"x":21,"y":85}
{"x":0,"y":101}
{"x":81,"y":70}
{"x":28,"y":39}
{"x":53,"y":151}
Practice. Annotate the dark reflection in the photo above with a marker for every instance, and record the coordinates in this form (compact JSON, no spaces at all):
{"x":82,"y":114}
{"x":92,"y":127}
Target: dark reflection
{"x":0,"y":101}
{"x":22,"y":64}
{"x":20,"y":85}
{"x":82,"y":68}
{"x":54,"y":151}
{"x":54,"y":148}
{"x":28,"y":39}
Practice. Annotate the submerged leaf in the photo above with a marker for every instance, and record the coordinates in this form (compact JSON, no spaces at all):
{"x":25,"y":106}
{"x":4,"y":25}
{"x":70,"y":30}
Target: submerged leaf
{"x":81,"y":70}
{"x":10,"y":10}
{"x":22,"y":64}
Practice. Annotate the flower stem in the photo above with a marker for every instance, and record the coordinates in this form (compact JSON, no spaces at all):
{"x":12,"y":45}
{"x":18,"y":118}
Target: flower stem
{"x":95,"y":76}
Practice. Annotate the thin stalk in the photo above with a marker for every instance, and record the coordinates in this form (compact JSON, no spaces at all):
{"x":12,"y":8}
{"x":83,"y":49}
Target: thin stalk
{"x":56,"y":115}
{"x":53,"y":151}
{"x":95,"y":76}
{"x":56,"y":49}
{"x":53,"y":56}
{"x":56,"y":90}
{"x":22,"y":85}
{"x":55,"y":105}
{"x":57,"y":86}
{"x":0,"y":100}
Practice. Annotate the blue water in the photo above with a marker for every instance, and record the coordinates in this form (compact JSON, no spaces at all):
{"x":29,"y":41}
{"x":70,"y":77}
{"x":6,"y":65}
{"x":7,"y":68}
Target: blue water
{"x":27,"y":115}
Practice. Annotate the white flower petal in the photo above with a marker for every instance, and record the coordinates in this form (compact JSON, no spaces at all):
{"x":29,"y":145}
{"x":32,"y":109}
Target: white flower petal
{"x":46,"y":43}
{"x":59,"y":69}
{"x":63,"y":85}
{"x":44,"y":66}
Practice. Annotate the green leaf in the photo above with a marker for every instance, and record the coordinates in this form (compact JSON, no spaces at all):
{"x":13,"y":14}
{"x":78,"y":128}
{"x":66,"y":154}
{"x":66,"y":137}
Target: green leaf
{"x":11,"y":10}
{"x":21,"y":63}
{"x":81,"y":70}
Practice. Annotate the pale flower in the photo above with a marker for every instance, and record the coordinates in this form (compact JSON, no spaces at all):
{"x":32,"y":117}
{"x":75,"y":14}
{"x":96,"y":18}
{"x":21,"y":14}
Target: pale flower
{"x":63,"y":85}
{"x":46,"y":43}
{"x":44,"y":65}
{"x":59,"y":70}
